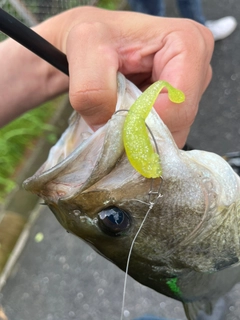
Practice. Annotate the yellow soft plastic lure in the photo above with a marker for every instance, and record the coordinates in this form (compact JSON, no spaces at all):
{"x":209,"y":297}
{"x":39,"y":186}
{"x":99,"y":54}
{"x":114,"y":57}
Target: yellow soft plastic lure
{"x":138,"y":146}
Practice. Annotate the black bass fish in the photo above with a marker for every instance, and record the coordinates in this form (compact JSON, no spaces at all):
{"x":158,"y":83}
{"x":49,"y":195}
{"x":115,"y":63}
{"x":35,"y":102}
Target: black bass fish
{"x":188,"y":248}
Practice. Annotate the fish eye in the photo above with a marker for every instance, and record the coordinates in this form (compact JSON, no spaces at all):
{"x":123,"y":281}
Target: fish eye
{"x":113,"y":221}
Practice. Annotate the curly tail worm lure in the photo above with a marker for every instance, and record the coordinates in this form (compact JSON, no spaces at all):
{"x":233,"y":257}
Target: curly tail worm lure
{"x":138,"y":146}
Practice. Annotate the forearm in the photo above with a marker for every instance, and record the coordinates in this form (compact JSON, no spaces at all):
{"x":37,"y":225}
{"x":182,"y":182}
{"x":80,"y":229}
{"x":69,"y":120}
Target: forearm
{"x":26,"y":80}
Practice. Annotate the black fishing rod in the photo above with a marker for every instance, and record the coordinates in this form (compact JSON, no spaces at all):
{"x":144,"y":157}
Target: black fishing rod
{"x":32,"y":41}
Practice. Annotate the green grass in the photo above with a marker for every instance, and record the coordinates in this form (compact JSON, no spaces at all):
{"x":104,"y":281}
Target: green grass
{"x":18,"y":138}
{"x":108,"y":4}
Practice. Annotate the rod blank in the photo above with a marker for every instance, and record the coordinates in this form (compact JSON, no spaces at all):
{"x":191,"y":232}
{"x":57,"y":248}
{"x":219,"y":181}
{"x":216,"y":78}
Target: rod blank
{"x":32,"y":41}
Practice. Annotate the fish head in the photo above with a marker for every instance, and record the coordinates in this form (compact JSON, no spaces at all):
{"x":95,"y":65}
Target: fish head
{"x":173,"y":221}
{"x":90,"y":186}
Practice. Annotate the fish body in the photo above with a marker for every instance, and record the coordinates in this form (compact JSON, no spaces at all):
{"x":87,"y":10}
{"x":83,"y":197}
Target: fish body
{"x":188,"y":248}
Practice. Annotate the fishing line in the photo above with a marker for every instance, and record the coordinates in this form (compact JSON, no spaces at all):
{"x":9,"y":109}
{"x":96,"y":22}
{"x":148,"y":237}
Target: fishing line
{"x":151,"y":205}
{"x":128,"y":261}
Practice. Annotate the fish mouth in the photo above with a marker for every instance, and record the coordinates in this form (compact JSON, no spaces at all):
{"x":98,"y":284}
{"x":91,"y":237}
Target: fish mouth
{"x":76,"y":164}
{"x":82,"y":157}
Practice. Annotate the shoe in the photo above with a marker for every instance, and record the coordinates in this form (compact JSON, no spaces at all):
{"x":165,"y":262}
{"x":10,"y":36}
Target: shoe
{"x":221,"y":28}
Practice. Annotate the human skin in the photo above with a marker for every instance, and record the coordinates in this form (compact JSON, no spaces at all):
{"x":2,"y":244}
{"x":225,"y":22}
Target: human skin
{"x":99,"y":43}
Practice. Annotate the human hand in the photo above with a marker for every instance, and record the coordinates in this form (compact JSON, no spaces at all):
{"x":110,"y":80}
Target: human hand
{"x":98,"y":43}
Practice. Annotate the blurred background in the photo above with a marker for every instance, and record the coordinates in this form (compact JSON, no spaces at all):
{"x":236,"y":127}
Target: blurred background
{"x":48,"y":274}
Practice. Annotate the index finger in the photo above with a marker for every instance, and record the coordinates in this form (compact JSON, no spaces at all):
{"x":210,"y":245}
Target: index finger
{"x":93,"y":73}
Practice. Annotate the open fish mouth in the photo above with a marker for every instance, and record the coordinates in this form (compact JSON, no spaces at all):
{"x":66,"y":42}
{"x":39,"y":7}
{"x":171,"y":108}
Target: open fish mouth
{"x":82,"y":156}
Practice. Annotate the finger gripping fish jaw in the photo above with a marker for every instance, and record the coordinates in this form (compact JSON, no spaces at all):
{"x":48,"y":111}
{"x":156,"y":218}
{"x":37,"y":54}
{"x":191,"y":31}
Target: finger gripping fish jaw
{"x":138,"y":146}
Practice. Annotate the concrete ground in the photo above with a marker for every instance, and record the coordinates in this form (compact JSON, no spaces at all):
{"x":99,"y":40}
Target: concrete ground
{"x":58,"y":277}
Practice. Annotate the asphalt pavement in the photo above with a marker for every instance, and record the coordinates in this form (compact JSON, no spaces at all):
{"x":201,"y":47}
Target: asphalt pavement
{"x":59,"y":277}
